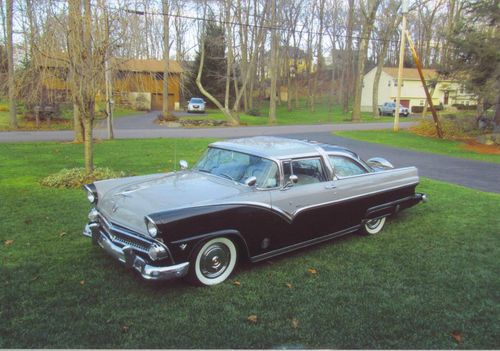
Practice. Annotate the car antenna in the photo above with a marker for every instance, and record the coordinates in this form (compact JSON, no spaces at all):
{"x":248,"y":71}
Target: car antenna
{"x":175,"y":155}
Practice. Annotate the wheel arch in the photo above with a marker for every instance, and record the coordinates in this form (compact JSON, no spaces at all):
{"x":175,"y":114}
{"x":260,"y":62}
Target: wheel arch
{"x":232,"y":234}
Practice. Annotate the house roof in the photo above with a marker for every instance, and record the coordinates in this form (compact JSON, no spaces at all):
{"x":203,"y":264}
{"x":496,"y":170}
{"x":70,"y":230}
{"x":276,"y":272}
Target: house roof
{"x":410,"y":73}
{"x":136,"y":65}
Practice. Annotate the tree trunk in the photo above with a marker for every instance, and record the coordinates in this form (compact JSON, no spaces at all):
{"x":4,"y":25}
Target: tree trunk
{"x":227,"y":112}
{"x":319,"y":54}
{"x":88,"y":143}
{"x":497,"y":114}
{"x":166,"y":47}
{"x":10,"y":66}
{"x":274,"y":65}
{"x":347,"y":76}
{"x":363,"y":48}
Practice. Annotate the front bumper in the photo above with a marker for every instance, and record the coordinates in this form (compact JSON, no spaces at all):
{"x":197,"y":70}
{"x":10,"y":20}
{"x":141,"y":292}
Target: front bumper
{"x":127,"y":256}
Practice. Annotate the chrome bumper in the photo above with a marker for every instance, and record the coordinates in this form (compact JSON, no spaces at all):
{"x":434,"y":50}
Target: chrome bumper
{"x":127,"y":256}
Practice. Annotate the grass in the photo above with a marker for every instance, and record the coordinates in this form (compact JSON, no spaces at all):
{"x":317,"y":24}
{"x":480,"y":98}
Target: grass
{"x":410,"y":141}
{"x":66,"y":115}
{"x":433,"y":271}
{"x":300,"y":115}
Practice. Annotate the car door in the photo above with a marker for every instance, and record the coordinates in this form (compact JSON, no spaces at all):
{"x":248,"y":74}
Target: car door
{"x":303,"y":203}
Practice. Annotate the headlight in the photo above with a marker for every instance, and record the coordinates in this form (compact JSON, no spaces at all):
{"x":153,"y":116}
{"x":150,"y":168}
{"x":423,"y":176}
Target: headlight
{"x":152,"y":228}
{"x":157,"y":252}
{"x":91,"y":193}
{"x":91,"y":197}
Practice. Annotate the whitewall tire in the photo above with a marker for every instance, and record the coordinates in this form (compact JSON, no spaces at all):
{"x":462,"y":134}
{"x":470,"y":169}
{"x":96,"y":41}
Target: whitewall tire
{"x":213,"y":262}
{"x":374,"y":226}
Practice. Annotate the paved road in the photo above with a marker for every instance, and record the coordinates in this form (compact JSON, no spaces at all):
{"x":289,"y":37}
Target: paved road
{"x":146,"y":132}
{"x":474,"y":174}
{"x":470,"y":173}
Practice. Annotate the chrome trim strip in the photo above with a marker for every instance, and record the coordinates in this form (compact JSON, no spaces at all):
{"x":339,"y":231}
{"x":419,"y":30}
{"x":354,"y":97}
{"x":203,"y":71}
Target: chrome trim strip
{"x":303,"y":244}
{"x":147,"y":271}
{"x":349,"y":198}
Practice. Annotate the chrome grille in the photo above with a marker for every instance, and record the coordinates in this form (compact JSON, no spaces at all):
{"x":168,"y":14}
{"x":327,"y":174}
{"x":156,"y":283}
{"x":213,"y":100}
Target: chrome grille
{"x":124,"y":237}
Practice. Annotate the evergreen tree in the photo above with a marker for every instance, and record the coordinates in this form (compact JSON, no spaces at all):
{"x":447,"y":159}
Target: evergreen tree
{"x":476,"y":56}
{"x":214,"y":69}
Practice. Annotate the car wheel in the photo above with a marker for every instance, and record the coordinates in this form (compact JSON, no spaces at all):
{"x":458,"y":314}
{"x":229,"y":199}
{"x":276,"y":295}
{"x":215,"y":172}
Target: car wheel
{"x":213,"y":262}
{"x":374,"y":226}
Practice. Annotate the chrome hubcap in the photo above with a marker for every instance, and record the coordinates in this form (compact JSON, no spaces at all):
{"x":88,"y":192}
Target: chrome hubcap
{"x":373,"y":223}
{"x":214,"y":260}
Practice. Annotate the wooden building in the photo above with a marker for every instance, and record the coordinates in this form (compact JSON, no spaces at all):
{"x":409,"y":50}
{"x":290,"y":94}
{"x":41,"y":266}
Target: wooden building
{"x":137,"y":83}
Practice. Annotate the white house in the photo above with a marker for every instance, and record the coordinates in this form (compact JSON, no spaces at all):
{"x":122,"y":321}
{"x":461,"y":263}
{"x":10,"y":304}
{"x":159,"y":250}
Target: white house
{"x":447,"y":92}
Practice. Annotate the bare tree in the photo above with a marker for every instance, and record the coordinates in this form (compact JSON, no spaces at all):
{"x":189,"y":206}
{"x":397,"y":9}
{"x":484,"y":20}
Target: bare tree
{"x":348,"y":67}
{"x":166,"y":58}
{"x":10,"y":65}
{"x":273,"y":70}
{"x":386,"y":30}
{"x":368,"y":13}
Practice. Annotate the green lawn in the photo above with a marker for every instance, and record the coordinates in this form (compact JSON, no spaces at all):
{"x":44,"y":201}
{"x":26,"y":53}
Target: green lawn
{"x":407,"y":140}
{"x":301,"y":115}
{"x":66,"y":114}
{"x":432,"y":272}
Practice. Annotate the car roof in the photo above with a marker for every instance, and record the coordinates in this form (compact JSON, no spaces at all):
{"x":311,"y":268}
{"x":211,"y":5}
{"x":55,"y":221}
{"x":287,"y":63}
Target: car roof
{"x":280,"y":148}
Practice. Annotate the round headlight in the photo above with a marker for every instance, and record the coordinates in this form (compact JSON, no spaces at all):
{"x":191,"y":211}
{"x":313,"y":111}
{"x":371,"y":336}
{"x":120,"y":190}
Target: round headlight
{"x":152,"y":229}
{"x":91,"y":196}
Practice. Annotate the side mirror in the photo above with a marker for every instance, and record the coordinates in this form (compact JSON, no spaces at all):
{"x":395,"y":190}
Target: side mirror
{"x":380,"y":163}
{"x":293,"y":179}
{"x":251,"y":181}
{"x":184,"y":165}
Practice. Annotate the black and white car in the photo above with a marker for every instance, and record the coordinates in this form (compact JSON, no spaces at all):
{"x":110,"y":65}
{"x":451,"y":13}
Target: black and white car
{"x":246,"y":199}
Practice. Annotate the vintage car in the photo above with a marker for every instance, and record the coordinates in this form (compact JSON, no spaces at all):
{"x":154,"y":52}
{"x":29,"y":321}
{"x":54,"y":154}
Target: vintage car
{"x":246,"y":199}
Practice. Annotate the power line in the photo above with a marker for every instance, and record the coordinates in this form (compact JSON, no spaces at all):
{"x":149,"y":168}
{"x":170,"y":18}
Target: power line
{"x":247,"y":25}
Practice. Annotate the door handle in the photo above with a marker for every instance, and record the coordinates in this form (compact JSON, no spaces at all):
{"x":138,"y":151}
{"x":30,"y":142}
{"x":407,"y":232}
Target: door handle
{"x":330,"y":186}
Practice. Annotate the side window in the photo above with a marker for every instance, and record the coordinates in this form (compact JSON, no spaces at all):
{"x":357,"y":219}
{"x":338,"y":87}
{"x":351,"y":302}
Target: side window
{"x":344,"y":167}
{"x":308,"y":171}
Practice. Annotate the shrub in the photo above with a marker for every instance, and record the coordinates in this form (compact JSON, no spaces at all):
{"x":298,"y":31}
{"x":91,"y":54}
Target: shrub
{"x":254,"y":112}
{"x":76,"y":177}
{"x":453,"y":126}
{"x":417,"y":109}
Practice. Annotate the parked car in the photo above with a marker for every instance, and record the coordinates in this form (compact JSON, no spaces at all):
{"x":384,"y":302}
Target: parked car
{"x":389,"y":108}
{"x":246,"y":199}
{"x":196,"y":105}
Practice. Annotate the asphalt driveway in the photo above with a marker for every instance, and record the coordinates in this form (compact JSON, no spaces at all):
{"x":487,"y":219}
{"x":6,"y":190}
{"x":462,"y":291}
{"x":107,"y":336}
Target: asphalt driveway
{"x":470,"y":173}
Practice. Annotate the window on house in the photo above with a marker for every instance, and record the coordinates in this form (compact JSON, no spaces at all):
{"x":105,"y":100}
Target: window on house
{"x":462,"y":89}
{"x":395,"y":82}
{"x":421,"y":102}
{"x":389,"y":83}
{"x":158,"y":76}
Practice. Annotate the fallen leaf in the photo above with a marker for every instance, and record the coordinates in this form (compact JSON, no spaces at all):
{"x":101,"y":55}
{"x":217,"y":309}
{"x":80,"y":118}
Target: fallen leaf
{"x":289,"y":285}
{"x":62,"y":234}
{"x":457,"y":335}
{"x":82,"y":282}
{"x":295,"y":323}
{"x":8,"y":242}
{"x":125,"y":328}
{"x":252,"y":319}
{"x":312,"y":271}
{"x":237,"y":283}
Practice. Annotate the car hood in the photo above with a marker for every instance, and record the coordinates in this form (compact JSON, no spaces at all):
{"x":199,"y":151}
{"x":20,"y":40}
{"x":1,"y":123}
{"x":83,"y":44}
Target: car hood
{"x":129,"y":202}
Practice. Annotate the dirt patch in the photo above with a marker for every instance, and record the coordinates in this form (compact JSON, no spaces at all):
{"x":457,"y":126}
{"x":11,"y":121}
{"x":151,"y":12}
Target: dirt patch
{"x":472,"y":145}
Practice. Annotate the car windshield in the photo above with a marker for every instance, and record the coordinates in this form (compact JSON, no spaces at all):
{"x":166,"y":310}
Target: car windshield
{"x":239,"y":167}
{"x":196,"y":101}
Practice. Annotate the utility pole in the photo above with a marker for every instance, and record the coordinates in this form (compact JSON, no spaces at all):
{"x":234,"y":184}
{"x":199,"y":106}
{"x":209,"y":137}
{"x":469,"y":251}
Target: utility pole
{"x":400,"y":68}
{"x":108,"y":82}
